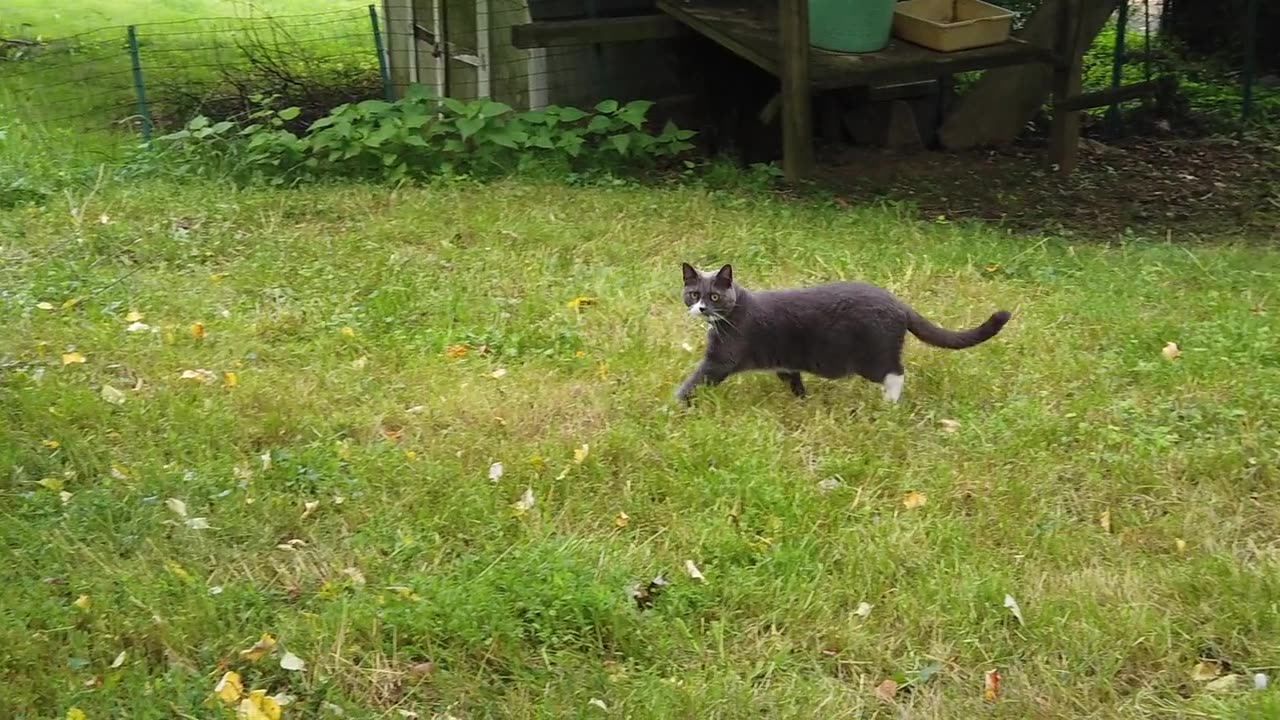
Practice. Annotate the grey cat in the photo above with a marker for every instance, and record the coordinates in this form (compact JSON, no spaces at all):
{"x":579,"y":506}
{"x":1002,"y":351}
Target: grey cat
{"x":832,"y":331}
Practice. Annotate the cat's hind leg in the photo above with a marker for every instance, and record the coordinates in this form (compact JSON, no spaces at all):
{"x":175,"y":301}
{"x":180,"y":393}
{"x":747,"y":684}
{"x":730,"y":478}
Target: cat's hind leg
{"x":793,"y":380}
{"x":892,"y":385}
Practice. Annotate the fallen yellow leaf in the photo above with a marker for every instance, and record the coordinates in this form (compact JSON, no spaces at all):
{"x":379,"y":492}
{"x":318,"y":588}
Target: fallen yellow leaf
{"x":70,"y":303}
{"x":580,"y":302}
{"x":580,"y":453}
{"x":76,"y":713}
{"x":197,"y":331}
{"x":622,"y":520}
{"x":73,"y":358}
{"x":45,"y":305}
{"x":348,"y":331}
{"x":51,"y":444}
{"x":82,"y":603}
{"x":229,"y":688}
{"x":199,"y":375}
{"x":230,"y":379}
{"x":1105,"y":521}
{"x":133,"y":316}
{"x":258,"y":706}
{"x":1206,"y":670}
{"x":913,"y":500}
{"x":1171,"y":351}
{"x":949,"y":425}
{"x":1180,"y":544}
{"x":265,"y":645}
{"x":455,"y":352}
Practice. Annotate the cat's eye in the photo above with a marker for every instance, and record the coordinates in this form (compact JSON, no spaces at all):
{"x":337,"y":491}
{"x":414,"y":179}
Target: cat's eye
{"x":715,"y":297}
{"x":695,"y":294}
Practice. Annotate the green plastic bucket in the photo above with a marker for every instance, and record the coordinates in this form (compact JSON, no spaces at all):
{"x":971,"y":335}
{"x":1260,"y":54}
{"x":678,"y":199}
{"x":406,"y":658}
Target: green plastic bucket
{"x":850,"y":26}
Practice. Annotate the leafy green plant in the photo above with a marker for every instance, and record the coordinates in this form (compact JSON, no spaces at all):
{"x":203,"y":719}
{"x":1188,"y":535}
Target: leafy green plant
{"x":420,"y":136}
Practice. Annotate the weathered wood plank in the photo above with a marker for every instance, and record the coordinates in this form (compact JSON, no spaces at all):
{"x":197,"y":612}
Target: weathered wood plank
{"x":1064,"y":130}
{"x":562,"y":33}
{"x":1109,"y":96}
{"x":797,"y":114}
{"x":751,"y":32}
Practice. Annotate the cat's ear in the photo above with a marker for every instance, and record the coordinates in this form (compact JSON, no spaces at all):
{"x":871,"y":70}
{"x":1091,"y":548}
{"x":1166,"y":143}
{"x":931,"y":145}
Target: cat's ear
{"x":690,"y":275}
{"x":724,"y":278}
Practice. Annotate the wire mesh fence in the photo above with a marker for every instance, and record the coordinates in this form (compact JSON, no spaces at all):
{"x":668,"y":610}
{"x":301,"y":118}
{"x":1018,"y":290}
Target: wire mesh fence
{"x":159,"y":75}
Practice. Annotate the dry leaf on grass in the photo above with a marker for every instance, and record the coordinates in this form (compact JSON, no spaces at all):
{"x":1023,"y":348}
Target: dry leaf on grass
{"x":357,"y":577}
{"x":829,"y":484}
{"x":422,"y":669}
{"x":886,"y":691}
{"x":259,"y":706}
{"x":1171,"y":351}
{"x":692,"y":571}
{"x":230,"y":687}
{"x":622,"y":520}
{"x":1226,"y":683}
{"x":456,"y":352}
{"x":1206,"y":670}
{"x":197,"y":331}
{"x":133,"y":316}
{"x":199,"y":375}
{"x":525,"y":503}
{"x":498,"y":374}
{"x":1012,"y":604}
{"x":138,"y":327}
{"x":291,"y":662}
{"x":119,"y":660}
{"x":309,"y":508}
{"x":113,"y":396}
{"x":1180,"y":545}
{"x":991,"y":685}
{"x":580,"y":453}
{"x":199,"y":524}
{"x":176,"y":506}
{"x":1104,"y":520}
{"x":864,"y":609}
{"x":263,"y":647}
{"x":230,"y":379}
{"x":82,"y":603}
{"x":597,"y":702}
{"x":495,"y":472}
{"x":949,"y":425}
{"x":914,"y":500}
{"x":44,"y":305}
{"x":73,"y":358}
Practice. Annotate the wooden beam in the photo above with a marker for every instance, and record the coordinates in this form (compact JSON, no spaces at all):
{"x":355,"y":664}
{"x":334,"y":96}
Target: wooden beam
{"x":797,"y":113}
{"x":588,"y":31}
{"x":1064,"y":130}
{"x":1109,"y":96}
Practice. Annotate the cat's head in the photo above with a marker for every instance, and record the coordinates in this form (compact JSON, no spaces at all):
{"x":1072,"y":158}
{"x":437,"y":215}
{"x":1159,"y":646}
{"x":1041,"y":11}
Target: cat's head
{"x":710,"y":296}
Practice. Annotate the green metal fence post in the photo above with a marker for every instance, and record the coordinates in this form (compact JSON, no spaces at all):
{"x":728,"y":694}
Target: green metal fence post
{"x":138,"y":87}
{"x":1117,"y":64}
{"x":387,"y":91}
{"x":1250,"y":61}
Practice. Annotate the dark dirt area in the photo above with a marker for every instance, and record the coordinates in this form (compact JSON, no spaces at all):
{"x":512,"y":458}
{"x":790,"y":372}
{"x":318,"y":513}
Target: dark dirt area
{"x":1178,"y":188}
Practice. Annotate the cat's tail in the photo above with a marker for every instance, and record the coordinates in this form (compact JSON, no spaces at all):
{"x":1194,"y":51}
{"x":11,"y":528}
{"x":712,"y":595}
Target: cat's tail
{"x":956,"y":339}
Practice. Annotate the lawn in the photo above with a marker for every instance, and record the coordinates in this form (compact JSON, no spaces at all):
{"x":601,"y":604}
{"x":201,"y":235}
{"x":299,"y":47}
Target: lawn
{"x":358,"y":359}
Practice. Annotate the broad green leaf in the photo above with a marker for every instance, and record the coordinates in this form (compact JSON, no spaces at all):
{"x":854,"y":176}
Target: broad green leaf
{"x":607,"y":106}
{"x":289,"y":113}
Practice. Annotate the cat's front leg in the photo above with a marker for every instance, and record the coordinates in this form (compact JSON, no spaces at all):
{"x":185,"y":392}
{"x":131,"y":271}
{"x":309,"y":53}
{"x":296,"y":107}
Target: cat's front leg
{"x":705,"y":374}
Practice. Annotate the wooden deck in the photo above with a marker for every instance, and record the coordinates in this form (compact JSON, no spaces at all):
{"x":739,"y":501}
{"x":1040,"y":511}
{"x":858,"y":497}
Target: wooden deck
{"x":774,"y":35}
{"x":751,"y":32}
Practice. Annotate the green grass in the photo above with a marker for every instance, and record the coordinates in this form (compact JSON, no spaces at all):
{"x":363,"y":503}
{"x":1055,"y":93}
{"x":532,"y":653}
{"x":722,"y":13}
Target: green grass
{"x":1070,"y":414}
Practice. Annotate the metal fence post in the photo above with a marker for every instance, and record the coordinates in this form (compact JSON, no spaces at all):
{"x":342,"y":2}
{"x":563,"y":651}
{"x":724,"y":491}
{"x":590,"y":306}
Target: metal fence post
{"x":1118,"y":63}
{"x":387,"y":91}
{"x":139,"y":88}
{"x":1250,"y":62}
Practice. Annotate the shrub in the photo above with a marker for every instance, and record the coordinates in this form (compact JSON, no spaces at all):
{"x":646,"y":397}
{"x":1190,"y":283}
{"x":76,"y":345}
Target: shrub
{"x":417,"y":137}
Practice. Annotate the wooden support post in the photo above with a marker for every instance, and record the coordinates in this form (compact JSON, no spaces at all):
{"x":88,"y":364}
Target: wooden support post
{"x":797,"y":123}
{"x":1064,"y":131}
